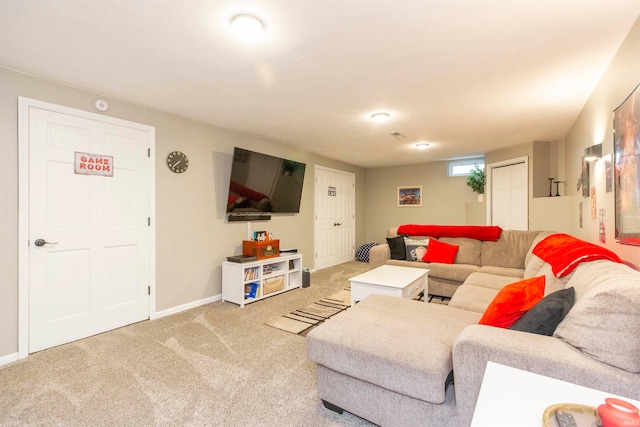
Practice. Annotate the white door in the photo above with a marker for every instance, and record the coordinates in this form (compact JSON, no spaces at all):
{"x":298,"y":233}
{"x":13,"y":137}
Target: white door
{"x":93,"y":275}
{"x":510,"y":196}
{"x":334,"y":217}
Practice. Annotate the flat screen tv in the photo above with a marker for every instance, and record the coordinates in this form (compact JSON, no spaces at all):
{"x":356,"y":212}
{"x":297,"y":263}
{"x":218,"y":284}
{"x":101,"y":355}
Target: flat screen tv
{"x":263,"y":183}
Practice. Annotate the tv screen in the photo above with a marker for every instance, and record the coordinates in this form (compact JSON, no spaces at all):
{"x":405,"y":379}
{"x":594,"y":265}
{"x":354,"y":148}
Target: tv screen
{"x":263,"y":183}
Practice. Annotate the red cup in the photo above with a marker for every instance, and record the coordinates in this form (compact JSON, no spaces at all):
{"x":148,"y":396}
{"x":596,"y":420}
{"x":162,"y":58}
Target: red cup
{"x":618,"y":413}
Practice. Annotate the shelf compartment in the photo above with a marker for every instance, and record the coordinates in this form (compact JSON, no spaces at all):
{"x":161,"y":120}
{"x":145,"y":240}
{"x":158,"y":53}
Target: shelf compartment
{"x":272,"y":285}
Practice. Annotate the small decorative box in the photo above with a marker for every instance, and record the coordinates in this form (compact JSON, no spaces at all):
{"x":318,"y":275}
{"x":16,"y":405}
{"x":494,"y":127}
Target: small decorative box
{"x":261,"y":249}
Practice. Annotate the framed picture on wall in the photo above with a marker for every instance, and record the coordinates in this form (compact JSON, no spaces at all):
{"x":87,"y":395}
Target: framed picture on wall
{"x":410,"y":195}
{"x":585,"y":178}
{"x":626,"y":152}
{"x":608,"y":173}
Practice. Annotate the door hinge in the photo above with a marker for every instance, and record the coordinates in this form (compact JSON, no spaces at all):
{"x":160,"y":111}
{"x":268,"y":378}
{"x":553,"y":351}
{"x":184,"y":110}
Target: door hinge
{"x":148,"y":152}
{"x":149,"y":290}
{"x":149,"y":221}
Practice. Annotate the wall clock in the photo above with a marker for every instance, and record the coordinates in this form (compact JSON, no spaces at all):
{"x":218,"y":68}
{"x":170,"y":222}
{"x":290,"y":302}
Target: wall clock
{"x":177,"y":161}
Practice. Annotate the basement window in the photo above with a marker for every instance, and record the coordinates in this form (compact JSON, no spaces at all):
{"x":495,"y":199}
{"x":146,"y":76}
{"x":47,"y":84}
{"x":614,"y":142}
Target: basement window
{"x":463,"y":167}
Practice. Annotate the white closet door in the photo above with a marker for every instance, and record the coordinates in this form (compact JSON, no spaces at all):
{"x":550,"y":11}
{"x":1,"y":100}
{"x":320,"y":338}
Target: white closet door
{"x":510,"y":196}
{"x":334,"y":217}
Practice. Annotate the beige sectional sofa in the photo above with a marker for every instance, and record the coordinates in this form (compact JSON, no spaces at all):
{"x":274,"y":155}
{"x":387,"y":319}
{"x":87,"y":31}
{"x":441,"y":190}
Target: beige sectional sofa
{"x":391,"y":360}
{"x":504,"y":257}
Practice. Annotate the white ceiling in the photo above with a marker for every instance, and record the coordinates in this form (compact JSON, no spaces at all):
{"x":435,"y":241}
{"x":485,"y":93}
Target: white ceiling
{"x":466,"y":76}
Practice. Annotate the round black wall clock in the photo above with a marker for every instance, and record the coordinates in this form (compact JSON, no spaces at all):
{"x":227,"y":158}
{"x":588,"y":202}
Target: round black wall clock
{"x":177,"y":161}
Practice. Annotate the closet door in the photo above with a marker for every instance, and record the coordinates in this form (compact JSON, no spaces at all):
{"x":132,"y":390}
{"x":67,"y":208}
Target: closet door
{"x":334,"y":237}
{"x":509,"y":207}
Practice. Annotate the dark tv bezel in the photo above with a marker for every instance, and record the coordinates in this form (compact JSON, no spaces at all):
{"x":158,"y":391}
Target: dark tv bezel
{"x":261,"y":215}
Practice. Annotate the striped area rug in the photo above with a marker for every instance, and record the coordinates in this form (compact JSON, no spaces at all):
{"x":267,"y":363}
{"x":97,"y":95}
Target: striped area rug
{"x":304,"y":319}
{"x":301,"y":321}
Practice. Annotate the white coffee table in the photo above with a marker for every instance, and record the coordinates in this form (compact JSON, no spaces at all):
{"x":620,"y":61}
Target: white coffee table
{"x":405,"y":282}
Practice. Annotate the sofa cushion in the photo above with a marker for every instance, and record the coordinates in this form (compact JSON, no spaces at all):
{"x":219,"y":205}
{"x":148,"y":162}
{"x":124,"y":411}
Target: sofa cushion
{"x":441,"y":252}
{"x":541,"y":235}
{"x":491,"y":281}
{"x":468,"y":249}
{"x":415,"y":249}
{"x":546,"y":315}
{"x":537,"y":267}
{"x":605,"y":320}
{"x":472,"y":298}
{"x":404,"y":263}
{"x":396,"y":245}
{"x":512,"y":302}
{"x":510,"y":250}
{"x":455,"y":272}
{"x":503,"y":271}
{"x":375,"y":341}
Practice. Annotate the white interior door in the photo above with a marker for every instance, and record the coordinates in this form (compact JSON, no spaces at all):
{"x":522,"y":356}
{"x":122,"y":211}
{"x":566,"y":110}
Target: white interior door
{"x":94,"y":274}
{"x":334,"y":217}
{"x":509,"y":204}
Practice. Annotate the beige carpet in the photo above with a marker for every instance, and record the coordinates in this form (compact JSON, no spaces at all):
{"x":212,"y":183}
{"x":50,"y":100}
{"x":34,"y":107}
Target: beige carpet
{"x":216,"y":365}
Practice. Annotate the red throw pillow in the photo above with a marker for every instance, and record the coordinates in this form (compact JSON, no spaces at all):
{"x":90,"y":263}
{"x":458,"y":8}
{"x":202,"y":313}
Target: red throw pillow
{"x":438,"y":251}
{"x":513,"y":301}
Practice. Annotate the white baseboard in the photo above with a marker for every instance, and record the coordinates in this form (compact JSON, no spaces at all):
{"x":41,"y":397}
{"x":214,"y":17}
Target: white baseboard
{"x":9,"y":358}
{"x":183,"y":307}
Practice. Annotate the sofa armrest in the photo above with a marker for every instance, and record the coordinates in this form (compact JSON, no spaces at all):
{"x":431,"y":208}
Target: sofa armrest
{"x":378,"y":255}
{"x":478,"y":344}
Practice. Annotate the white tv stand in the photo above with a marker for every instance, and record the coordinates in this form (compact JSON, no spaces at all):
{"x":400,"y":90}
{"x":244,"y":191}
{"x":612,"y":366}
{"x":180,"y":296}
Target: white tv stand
{"x":236,"y":275}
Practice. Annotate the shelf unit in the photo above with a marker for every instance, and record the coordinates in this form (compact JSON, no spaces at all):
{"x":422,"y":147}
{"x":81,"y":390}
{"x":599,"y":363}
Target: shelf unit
{"x":247,"y":282}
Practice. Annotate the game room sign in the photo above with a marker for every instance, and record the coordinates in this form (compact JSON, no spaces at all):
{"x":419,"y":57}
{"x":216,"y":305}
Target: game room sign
{"x":93,"y":164}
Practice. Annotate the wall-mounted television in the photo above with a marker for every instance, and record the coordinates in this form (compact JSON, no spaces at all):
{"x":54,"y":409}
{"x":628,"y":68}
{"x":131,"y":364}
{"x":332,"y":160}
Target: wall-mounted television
{"x":264,"y":183}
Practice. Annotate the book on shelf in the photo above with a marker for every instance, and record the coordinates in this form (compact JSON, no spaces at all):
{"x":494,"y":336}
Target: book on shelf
{"x":251,"y":274}
{"x":251,"y":290}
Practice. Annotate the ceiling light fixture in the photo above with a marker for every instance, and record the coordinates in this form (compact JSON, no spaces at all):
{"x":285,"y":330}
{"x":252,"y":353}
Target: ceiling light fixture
{"x":422,"y":146}
{"x":247,"y":27}
{"x":380,"y":117}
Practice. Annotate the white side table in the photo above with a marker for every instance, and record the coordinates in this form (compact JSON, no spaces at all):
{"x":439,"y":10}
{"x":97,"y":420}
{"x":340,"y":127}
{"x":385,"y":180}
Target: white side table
{"x":513,"y":397}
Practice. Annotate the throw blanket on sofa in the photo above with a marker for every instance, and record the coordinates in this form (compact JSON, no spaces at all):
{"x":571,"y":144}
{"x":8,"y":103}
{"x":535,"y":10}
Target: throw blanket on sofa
{"x":564,"y":253}
{"x":478,"y":232}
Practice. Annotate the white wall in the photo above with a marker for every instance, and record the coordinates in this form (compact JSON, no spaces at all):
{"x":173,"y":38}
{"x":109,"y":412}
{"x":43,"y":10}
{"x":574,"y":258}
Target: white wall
{"x":444,"y":198}
{"x":594,"y":125}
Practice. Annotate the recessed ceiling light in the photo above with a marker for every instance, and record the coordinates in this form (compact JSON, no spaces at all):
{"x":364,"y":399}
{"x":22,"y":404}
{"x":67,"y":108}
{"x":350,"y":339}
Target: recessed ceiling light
{"x":380,"y":117}
{"x":422,"y":146}
{"x":247,"y":27}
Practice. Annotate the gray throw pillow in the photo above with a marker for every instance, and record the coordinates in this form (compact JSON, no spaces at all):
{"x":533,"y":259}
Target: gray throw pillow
{"x":544,"y":317}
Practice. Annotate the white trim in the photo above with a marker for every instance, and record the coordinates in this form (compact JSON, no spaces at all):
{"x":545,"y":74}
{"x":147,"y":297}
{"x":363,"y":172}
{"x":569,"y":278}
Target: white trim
{"x":187,"y":306}
{"x":24,"y":104}
{"x":489,"y":173}
{"x":9,"y":358}
{"x":23,"y":227}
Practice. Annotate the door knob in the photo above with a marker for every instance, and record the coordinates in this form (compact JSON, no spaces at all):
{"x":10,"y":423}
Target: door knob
{"x":42,"y":242}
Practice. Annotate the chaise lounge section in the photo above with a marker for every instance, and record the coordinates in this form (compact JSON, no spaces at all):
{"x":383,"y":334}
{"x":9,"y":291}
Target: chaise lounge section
{"x":391,"y":360}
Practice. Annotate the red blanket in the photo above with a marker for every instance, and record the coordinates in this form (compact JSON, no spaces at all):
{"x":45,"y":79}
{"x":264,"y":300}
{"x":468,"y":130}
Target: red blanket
{"x":565,"y":252}
{"x":478,"y":232}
